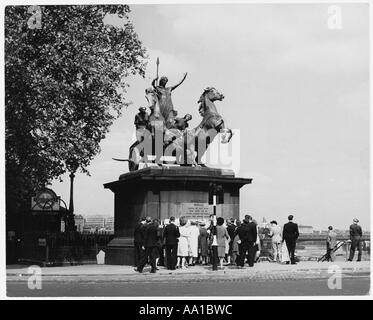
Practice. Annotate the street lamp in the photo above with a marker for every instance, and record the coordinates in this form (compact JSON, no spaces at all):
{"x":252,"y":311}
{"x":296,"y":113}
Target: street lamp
{"x":72,"y":165}
{"x":71,"y":203}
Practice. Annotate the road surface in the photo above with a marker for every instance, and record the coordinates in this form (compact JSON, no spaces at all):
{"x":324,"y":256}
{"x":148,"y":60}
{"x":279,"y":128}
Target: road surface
{"x":357,"y":285}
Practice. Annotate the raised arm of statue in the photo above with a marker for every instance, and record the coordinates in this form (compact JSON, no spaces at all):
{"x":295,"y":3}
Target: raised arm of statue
{"x":154,"y":83}
{"x":176,"y":85}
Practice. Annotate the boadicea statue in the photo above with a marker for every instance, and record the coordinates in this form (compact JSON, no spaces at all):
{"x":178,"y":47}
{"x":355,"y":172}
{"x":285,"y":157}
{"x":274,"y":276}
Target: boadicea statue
{"x":164,"y":138}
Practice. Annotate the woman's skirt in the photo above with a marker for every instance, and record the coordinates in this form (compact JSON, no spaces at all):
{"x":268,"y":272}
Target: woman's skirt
{"x":221,"y":251}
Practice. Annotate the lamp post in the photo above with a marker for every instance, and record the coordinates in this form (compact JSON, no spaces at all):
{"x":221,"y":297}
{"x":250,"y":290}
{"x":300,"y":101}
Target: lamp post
{"x":70,"y":223}
{"x":71,"y":203}
{"x":72,"y":166}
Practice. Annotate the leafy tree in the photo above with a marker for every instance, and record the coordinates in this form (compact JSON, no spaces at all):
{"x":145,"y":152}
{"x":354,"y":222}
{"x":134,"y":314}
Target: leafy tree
{"x":65,"y":84}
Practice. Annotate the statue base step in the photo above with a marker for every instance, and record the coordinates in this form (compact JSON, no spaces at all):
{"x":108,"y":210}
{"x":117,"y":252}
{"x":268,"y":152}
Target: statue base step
{"x":120,"y":251}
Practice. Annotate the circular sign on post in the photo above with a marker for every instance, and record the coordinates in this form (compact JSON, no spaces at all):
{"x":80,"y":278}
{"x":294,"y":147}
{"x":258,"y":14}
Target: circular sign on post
{"x":45,"y":200}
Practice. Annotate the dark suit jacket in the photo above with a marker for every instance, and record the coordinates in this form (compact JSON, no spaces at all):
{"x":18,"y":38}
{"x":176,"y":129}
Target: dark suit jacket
{"x":231,"y":228}
{"x":151,"y":236}
{"x":290,"y":231}
{"x":355,"y":231}
{"x":139,"y":233}
{"x":247,"y":232}
{"x":171,"y":234}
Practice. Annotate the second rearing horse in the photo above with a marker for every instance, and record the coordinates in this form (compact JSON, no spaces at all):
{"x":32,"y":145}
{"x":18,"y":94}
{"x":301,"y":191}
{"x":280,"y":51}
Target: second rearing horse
{"x":198,"y":139}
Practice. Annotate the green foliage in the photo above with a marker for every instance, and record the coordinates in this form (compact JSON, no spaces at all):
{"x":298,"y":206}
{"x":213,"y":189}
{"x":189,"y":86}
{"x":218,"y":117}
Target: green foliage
{"x":64,"y":87}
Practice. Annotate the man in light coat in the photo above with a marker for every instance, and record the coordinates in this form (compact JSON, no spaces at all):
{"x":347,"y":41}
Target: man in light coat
{"x":276,"y":234}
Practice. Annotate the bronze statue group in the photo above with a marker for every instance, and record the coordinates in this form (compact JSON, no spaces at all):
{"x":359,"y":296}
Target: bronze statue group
{"x":160,"y":133}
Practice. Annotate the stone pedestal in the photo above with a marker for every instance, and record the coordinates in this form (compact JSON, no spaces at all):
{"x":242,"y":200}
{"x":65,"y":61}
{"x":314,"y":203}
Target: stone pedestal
{"x":162,"y":192}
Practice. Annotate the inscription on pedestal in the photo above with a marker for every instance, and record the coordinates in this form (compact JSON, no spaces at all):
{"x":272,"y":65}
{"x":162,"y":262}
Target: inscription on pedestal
{"x":198,"y":211}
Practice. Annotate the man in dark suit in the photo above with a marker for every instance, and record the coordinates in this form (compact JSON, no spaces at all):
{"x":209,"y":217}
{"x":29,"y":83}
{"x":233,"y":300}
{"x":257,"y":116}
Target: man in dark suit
{"x":139,"y":236}
{"x":290,"y":234}
{"x":231,"y":228}
{"x":150,"y":246}
{"x":355,"y":236}
{"x":247,"y":233}
{"x":171,"y":234}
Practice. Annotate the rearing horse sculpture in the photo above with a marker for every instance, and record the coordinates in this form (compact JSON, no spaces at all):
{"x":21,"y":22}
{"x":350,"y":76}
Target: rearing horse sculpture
{"x":211,"y":118}
{"x":190,"y":145}
{"x":198,"y":139}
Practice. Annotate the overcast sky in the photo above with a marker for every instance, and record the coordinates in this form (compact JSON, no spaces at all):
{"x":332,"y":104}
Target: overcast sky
{"x":297,"y":91}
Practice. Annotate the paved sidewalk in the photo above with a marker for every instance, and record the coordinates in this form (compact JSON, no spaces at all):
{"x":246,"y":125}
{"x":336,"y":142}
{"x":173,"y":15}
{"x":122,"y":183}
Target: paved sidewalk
{"x":261,"y":270}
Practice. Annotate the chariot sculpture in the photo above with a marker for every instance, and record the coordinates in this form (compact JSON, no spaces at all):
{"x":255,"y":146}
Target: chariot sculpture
{"x":164,"y":138}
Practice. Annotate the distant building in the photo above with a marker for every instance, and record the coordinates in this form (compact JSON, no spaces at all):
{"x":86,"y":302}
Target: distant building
{"x":305,"y":229}
{"x":109,"y":223}
{"x":99,"y":223}
{"x":79,"y":222}
{"x":94,"y":222}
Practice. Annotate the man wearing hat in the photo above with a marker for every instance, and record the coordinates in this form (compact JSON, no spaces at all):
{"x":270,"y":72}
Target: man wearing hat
{"x":355,"y":236}
{"x":290,"y":235}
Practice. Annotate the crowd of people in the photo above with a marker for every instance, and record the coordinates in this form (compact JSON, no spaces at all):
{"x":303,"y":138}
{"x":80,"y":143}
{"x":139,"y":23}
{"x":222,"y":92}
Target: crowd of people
{"x":185,"y":243}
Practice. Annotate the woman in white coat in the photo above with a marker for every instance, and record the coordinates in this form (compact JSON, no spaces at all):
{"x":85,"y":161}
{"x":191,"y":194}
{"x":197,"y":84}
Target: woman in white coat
{"x":183,"y":245}
{"x":193,"y":242}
